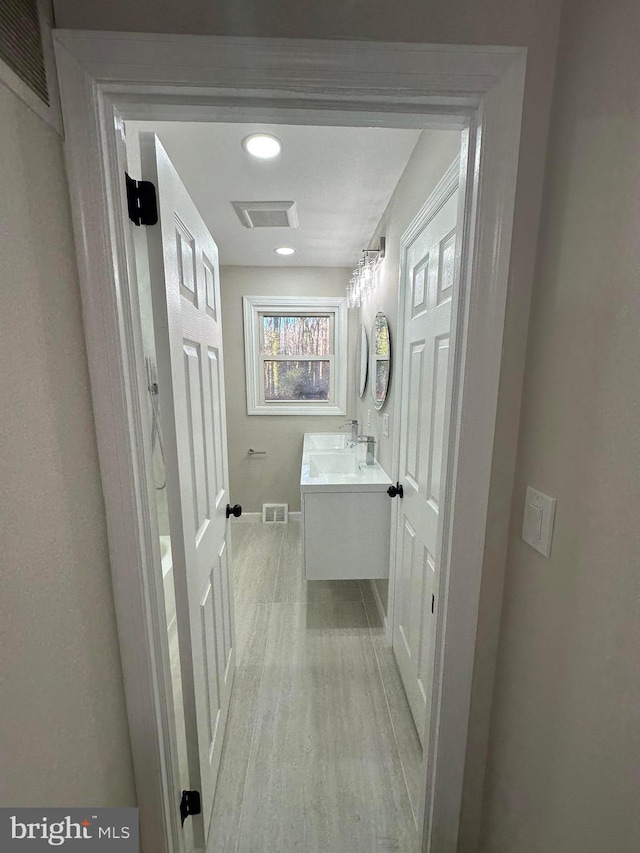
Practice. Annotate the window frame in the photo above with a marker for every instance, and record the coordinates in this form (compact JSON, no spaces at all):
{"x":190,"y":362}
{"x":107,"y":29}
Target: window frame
{"x":254,"y":307}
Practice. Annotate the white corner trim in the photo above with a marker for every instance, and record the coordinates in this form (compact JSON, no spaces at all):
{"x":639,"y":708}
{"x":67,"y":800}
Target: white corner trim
{"x":252,"y":306}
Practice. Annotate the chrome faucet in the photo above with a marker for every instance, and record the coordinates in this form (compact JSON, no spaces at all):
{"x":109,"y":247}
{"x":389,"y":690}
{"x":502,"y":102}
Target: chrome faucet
{"x":354,"y":430}
{"x":370,"y":441}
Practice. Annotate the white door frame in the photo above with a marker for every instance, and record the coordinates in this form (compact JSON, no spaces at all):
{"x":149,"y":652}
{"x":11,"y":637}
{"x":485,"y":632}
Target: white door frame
{"x":109,"y":77}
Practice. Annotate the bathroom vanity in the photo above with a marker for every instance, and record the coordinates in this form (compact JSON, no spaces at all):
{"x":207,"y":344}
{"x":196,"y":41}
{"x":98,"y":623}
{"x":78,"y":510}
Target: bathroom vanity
{"x":346,"y":511}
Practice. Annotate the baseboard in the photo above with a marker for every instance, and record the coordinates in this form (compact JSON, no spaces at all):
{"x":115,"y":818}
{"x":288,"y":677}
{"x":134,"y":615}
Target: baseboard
{"x":252,"y":517}
{"x":248,"y":517}
{"x":376,"y":598}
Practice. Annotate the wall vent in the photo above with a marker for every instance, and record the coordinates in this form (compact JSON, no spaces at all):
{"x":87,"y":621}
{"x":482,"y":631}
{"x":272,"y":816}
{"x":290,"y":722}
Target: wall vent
{"x":21,"y":44}
{"x":266,"y":214}
{"x":27,"y":64}
{"x":275,"y":513}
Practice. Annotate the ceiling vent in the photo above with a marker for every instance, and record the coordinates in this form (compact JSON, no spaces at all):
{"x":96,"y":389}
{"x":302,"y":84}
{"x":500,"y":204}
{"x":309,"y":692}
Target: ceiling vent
{"x":266,"y":214}
{"x":27,"y":65}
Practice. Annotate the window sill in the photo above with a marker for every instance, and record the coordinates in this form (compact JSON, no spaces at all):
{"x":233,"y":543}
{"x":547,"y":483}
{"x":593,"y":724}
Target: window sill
{"x":302,"y":411}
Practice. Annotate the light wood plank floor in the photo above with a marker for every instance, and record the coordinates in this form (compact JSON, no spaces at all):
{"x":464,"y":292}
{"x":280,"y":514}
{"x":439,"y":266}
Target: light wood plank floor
{"x":320,"y":752}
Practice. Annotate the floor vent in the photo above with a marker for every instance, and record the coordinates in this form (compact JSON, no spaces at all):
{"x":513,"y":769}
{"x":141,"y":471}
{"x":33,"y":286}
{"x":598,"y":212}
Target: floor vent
{"x":275,"y":513}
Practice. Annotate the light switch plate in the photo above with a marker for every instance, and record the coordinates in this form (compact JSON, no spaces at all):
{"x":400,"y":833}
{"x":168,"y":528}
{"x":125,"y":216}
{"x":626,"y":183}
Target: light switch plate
{"x":368,"y":418}
{"x":537,"y":524}
{"x":385,"y":424}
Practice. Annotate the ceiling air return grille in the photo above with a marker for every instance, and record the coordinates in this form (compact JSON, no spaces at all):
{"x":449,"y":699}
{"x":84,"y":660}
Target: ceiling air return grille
{"x":266,"y":214}
{"x":21,"y":44}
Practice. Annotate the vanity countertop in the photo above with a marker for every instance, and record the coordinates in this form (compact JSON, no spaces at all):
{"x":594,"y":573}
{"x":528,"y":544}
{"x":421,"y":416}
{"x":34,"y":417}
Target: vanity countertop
{"x":329,"y":465}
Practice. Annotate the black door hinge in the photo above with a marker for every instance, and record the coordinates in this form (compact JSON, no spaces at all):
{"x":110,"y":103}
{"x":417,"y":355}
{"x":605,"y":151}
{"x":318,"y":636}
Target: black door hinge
{"x":141,"y":201}
{"x":190,"y":804}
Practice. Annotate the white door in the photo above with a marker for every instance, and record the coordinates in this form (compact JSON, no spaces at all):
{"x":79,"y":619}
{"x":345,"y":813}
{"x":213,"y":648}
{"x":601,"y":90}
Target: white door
{"x":428,"y":289}
{"x":183,"y":268}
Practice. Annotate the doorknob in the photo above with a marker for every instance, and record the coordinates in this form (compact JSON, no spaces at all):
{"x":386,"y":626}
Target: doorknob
{"x":392,"y":491}
{"x":236,"y":510}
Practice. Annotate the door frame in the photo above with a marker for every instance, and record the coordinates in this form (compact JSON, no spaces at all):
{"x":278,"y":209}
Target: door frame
{"x":106,"y":78}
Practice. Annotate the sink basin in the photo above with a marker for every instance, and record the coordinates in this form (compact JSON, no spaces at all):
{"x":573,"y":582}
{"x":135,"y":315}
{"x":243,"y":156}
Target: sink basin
{"x":323,"y":464}
{"x":327,"y":441}
{"x":329,"y":463}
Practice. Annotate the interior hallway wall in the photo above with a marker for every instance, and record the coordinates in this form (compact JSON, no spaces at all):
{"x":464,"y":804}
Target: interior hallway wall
{"x":62,"y":716}
{"x":563,"y":770}
{"x":432,"y":156}
{"x":530,"y":23}
{"x":276,"y":476}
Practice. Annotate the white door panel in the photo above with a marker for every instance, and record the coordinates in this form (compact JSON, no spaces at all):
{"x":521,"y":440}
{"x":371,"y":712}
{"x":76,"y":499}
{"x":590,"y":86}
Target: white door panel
{"x":183,"y":265}
{"x":428,"y":286}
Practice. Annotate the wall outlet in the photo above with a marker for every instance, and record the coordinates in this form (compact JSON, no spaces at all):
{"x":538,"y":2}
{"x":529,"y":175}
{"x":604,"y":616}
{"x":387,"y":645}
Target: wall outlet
{"x":368,"y":418}
{"x":385,"y":424}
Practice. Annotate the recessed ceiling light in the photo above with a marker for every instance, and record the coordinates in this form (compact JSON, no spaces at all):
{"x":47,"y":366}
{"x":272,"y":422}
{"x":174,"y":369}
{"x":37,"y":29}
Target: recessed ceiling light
{"x":262,"y":145}
{"x":285,"y":250}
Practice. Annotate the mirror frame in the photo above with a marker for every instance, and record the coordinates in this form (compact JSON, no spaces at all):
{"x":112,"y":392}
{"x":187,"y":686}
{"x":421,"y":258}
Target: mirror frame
{"x":379,"y":404}
{"x":363,"y":350}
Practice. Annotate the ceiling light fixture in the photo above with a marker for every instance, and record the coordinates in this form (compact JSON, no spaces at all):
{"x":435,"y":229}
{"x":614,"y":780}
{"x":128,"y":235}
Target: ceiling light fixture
{"x":363,"y":281}
{"x":264,"y":146}
{"x":284,"y":250}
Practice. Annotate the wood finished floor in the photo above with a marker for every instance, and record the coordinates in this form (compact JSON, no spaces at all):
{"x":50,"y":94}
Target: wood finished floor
{"x":319,"y":755}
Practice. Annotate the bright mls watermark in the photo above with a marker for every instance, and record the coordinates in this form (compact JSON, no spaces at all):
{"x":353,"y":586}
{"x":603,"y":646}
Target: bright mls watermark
{"x":101,"y":830}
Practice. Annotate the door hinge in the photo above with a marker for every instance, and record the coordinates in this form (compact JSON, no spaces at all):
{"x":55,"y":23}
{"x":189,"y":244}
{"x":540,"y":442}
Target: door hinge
{"x":141,"y":201}
{"x":190,"y":804}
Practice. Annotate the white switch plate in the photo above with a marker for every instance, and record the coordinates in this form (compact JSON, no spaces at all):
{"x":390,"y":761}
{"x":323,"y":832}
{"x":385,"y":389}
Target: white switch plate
{"x":385,"y":424}
{"x":368,"y":418}
{"x":537,"y":524}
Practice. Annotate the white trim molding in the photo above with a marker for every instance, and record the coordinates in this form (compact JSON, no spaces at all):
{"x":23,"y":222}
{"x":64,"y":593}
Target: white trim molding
{"x":253,"y":307}
{"x":108,"y":77}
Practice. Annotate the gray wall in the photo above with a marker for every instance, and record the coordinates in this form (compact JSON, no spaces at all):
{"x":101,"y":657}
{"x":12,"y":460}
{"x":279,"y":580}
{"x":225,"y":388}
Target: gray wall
{"x":64,"y":738}
{"x":532,"y":23}
{"x":562,"y":766}
{"x":563,"y":770}
{"x":276,"y":476}
{"x":431,"y":157}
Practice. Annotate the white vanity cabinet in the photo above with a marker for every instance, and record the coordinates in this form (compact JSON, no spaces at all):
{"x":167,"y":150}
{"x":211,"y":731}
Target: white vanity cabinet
{"x":346,"y":511}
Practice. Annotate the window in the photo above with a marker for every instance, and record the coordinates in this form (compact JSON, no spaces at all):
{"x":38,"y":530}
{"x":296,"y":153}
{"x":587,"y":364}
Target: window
{"x":295,"y":355}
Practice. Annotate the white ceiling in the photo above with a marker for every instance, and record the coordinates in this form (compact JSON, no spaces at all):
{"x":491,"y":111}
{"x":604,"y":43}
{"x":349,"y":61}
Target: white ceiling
{"x":341,"y":179}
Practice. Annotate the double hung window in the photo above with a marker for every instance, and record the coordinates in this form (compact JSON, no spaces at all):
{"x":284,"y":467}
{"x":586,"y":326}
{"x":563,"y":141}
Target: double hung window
{"x":295,"y":354}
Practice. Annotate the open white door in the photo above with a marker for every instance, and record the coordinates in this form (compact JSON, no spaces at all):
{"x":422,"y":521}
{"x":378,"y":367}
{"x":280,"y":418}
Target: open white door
{"x":183,"y":268}
{"x":428,"y":284}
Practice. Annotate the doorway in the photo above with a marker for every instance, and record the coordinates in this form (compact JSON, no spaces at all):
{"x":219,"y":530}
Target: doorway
{"x":95,"y":160}
{"x":270,"y":589}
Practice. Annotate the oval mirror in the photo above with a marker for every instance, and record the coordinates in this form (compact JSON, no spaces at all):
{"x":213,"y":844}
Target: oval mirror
{"x":363,"y":353}
{"x":380,"y":360}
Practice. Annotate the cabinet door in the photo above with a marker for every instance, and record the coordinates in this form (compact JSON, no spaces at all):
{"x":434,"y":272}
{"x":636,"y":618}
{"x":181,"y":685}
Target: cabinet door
{"x":346,"y":535}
